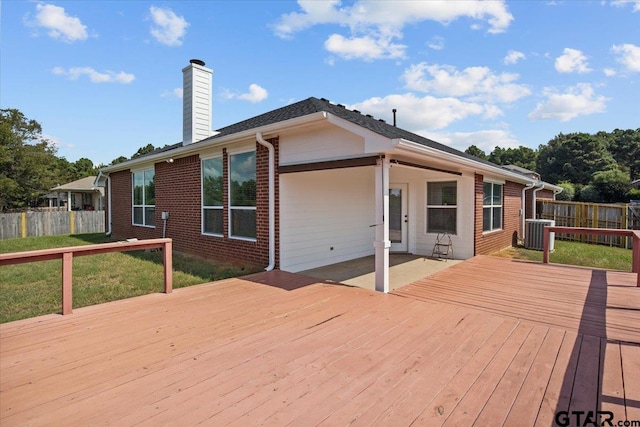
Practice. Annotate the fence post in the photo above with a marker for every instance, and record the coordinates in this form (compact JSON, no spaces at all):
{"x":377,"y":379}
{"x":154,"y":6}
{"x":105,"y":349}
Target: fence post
{"x":167,"y":260}
{"x":23,"y":224}
{"x":72,"y":222}
{"x":67,"y":283}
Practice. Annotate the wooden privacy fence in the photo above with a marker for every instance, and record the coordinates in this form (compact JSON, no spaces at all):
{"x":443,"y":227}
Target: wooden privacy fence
{"x":632,"y":234}
{"x":67,"y":254}
{"x":591,"y":215}
{"x":32,"y":224}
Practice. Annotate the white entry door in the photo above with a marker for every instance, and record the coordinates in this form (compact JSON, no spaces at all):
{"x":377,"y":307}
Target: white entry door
{"x":398,"y":217}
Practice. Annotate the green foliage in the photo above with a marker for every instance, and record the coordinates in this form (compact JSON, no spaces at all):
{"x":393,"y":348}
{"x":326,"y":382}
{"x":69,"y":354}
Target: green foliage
{"x":624,"y":145}
{"x":612,"y":185}
{"x":634,"y":194}
{"x":574,"y":157}
{"x":475,"y":151}
{"x":568,"y":191}
{"x":119,"y":160}
{"x":524,"y":157}
{"x":149,"y":148}
{"x":588,"y":193}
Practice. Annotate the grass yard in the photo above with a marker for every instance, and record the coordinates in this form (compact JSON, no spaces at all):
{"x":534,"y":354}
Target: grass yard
{"x":575,"y":253}
{"x":34,"y":289}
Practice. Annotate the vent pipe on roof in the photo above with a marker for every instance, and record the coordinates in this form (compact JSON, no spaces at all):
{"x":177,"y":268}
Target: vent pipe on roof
{"x":196,"y":102}
{"x":394,"y":116}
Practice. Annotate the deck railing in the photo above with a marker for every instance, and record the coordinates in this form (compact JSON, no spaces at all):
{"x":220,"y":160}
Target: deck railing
{"x":634,"y":234}
{"x":67,"y":254}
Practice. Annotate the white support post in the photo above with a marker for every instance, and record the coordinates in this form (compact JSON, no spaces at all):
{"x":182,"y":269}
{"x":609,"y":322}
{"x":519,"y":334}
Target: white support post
{"x":382,"y":242}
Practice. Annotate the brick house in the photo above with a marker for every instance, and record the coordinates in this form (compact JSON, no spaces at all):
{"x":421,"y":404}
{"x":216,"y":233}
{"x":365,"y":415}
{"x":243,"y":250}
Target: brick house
{"x":311,"y":184}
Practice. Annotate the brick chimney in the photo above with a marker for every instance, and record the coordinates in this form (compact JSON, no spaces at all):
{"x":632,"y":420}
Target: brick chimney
{"x":196,"y":102}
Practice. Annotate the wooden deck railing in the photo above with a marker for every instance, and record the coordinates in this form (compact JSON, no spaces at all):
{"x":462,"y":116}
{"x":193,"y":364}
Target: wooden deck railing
{"x":67,"y":254}
{"x":635,"y":255}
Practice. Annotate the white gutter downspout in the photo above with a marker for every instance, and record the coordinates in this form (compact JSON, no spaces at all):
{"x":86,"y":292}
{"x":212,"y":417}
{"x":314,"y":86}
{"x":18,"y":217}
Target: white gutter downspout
{"x":272,"y":210}
{"x":534,"y":199}
{"x":556,"y":192}
{"x":110,"y":206}
{"x":524,"y":206}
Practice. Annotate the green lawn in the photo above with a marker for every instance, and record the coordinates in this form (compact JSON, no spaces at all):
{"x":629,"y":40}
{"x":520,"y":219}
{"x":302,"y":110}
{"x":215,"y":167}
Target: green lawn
{"x":574,"y":253}
{"x":33,"y":289}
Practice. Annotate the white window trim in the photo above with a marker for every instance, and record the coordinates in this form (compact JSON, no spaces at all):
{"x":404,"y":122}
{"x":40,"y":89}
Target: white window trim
{"x":427,"y":205}
{"x":247,"y":208}
{"x":202,"y":206}
{"x":144,"y":195}
{"x":501,"y":206}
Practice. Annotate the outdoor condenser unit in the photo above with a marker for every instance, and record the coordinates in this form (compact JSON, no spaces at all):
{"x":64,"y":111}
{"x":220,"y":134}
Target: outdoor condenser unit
{"x":534,"y":232}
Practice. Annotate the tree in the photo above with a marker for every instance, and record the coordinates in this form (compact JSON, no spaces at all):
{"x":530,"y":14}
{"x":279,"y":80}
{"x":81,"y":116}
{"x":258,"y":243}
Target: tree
{"x":573,"y":157}
{"x":624,"y":145}
{"x":522,"y":156}
{"x":149,"y":148}
{"x":568,"y":191}
{"x":84,"y":167}
{"x":475,"y":151}
{"x":28,"y":162}
{"x":119,"y":160}
{"x":612,"y":185}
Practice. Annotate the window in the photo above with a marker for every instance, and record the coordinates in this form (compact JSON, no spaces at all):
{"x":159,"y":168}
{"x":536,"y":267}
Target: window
{"x":442,"y":207}
{"x":492,"y":207}
{"x":242,"y":195}
{"x":212,"y":196}
{"x":144,"y":198}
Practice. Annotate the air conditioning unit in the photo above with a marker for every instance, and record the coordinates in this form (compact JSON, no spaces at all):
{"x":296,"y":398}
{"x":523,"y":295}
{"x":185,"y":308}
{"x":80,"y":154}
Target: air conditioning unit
{"x":534,"y":232}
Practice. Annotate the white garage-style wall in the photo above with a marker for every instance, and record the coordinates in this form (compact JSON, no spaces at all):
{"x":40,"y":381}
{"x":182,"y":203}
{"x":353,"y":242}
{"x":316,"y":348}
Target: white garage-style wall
{"x":326,"y":217}
{"x":304,"y":146}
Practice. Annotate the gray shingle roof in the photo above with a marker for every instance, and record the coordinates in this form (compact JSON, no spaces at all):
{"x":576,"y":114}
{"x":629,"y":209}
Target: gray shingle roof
{"x":314,"y":105}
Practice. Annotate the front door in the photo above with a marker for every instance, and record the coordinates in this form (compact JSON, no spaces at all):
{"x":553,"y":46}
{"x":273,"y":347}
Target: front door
{"x":398,"y":217}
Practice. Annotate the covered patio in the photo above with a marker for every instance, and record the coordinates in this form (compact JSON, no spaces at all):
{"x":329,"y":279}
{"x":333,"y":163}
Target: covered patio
{"x":489,"y":341}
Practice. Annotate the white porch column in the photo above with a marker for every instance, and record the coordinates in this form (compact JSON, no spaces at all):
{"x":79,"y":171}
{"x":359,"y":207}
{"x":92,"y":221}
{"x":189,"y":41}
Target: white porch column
{"x":68,"y":200}
{"x":382,"y":242}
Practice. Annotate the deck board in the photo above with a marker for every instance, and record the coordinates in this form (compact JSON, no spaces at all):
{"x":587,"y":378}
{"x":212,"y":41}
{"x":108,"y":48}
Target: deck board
{"x":488,"y":341}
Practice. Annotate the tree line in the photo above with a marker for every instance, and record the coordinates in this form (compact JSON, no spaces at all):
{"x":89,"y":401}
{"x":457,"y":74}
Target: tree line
{"x":596,"y":167}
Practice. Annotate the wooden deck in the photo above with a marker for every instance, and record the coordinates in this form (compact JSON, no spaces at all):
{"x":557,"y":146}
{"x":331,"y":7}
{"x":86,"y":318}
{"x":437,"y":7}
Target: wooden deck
{"x":282,"y":349}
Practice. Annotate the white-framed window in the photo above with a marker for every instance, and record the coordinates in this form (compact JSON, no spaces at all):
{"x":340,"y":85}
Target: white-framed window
{"x":144,"y":198}
{"x":492,"y":206}
{"x":442,"y":207}
{"x":242,"y":195}
{"x":212,"y":191}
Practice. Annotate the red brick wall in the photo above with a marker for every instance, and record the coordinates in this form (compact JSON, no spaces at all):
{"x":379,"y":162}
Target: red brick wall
{"x":178,"y":191}
{"x":487,"y":243}
{"x":542,"y":194}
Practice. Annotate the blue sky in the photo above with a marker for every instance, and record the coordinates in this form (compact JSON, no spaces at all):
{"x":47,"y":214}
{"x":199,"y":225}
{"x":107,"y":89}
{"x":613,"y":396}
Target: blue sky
{"x":104,"y":77}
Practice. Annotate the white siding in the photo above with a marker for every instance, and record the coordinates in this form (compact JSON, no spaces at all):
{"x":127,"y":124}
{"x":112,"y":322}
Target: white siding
{"x":421,"y":242}
{"x":196,"y":103}
{"x":321,"y":144}
{"x":328,"y":209}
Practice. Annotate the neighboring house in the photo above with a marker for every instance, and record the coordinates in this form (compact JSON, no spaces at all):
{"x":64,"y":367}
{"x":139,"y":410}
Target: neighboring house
{"x":311,"y":184}
{"x":81,"y":194}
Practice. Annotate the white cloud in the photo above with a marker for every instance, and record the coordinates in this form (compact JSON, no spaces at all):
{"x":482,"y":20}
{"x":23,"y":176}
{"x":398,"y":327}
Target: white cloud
{"x":256,"y":94}
{"x":366,"y":48}
{"x":476,"y":83}
{"x":578,"y":100}
{"x":436,"y":43}
{"x":177,"y":93}
{"x":628,"y":55}
{"x":609,"y":72}
{"x":421,"y":113}
{"x":168,"y":27}
{"x":486,"y":140}
{"x":513,"y":56}
{"x":621,"y":3}
{"x":572,"y":61}
{"x":374,"y":25}
{"x":75,"y":73}
{"x":60,"y":25}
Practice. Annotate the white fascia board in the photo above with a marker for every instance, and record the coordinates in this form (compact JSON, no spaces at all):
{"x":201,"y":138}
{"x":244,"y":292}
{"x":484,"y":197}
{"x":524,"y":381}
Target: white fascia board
{"x":414,"y":147}
{"x":208,"y":143}
{"x":373,"y":142}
